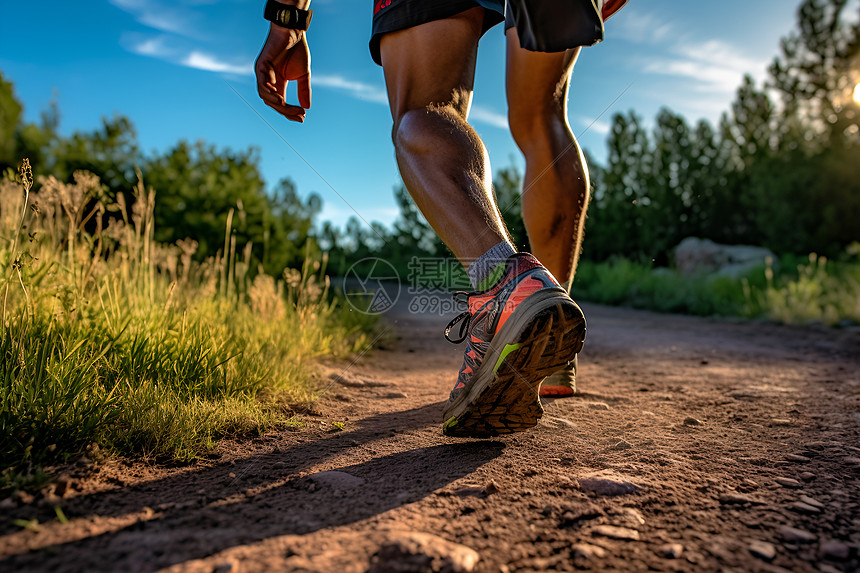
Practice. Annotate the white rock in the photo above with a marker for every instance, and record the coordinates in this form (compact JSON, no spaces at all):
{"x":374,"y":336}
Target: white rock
{"x":416,"y":551}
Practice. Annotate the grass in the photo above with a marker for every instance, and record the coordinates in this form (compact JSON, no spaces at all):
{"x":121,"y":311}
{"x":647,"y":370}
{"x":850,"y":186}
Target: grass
{"x":815,"y":290}
{"x":114,"y":342}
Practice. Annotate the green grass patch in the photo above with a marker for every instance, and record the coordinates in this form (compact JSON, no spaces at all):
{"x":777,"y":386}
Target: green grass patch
{"x":109,"y":338}
{"x":812,"y":290}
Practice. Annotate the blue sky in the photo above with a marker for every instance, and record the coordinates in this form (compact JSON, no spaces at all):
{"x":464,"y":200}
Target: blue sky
{"x":173,"y":66}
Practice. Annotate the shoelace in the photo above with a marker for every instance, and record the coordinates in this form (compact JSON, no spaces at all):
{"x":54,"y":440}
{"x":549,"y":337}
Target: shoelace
{"x":464,"y":318}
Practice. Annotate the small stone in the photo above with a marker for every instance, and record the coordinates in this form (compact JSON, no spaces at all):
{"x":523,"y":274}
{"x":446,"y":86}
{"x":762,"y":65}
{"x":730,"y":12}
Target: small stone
{"x":391,"y":395}
{"x":807,"y":476}
{"x":671,"y":550}
{"x":796,"y":458}
{"x":690,"y":421}
{"x":834,"y":550}
{"x":622,"y":445}
{"x":794,"y":535}
{"x":587,"y":552}
{"x":473,"y":490}
{"x":225,"y":567}
{"x":612,"y":532}
{"x":607,"y":485}
{"x":580,"y":513}
{"x":7,"y":503}
{"x":598,"y":405}
{"x":733,"y":498}
{"x":781,"y":422}
{"x":801,"y":507}
{"x":763,"y":550}
{"x":810,"y":501}
{"x":851,"y":460}
{"x":788,"y":482}
{"x":415,"y":551}
{"x":631,"y":518}
{"x":336,"y":480}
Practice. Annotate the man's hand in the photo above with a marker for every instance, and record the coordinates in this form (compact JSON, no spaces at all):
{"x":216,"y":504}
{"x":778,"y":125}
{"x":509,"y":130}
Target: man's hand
{"x":285,"y":57}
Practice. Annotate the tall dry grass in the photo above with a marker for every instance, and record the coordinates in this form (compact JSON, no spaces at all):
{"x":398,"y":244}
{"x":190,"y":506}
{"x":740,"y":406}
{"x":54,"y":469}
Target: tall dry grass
{"x":111,"y":338}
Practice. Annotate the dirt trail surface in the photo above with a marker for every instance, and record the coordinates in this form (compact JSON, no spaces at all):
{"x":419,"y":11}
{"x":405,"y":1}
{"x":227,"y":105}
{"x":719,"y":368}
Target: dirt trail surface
{"x":695,"y":445}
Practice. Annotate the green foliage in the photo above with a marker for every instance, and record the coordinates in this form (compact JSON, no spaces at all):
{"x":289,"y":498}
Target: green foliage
{"x":10,"y":115}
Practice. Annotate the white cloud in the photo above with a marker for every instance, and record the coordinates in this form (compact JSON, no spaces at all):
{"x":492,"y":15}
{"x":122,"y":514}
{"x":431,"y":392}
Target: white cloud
{"x":155,"y":47}
{"x":162,"y":17}
{"x":488,"y":116}
{"x":202,"y":61}
{"x":358,"y":90}
{"x":596,"y":125}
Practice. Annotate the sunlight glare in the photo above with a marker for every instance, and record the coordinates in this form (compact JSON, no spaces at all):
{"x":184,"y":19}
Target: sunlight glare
{"x":857,"y":93}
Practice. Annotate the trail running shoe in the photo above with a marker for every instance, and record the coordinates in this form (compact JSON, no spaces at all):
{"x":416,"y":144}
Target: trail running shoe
{"x":562,"y":383}
{"x":519,"y":332}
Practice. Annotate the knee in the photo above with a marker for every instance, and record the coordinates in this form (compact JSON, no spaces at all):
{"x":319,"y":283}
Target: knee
{"x":533,"y":124}
{"x":416,"y":129}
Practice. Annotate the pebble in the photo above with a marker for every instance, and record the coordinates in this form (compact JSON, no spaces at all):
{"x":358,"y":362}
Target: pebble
{"x":336,"y":480}
{"x":225,"y":567}
{"x":671,"y":550}
{"x":631,"y":517}
{"x":7,"y":503}
{"x":738,"y":499}
{"x":587,"y":552}
{"x":690,"y":421}
{"x":416,"y":551}
{"x":788,"y":482}
{"x":763,"y":550}
{"x":607,"y":485}
{"x":835,"y":550}
{"x":807,"y":476}
{"x":622,"y":445}
{"x":598,"y":405}
{"x":613,"y":532}
{"x":813,"y":502}
{"x":801,"y":507}
{"x":851,"y":460}
{"x":471,"y":490}
{"x":796,"y":458}
{"x":794,"y":535}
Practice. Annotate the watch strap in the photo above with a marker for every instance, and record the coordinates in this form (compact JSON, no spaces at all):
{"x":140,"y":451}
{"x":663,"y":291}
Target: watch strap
{"x":287,"y":16}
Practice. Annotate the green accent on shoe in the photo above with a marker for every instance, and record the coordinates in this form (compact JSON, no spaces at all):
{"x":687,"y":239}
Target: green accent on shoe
{"x":494,"y":277}
{"x":505,"y":351}
{"x":450,"y":423}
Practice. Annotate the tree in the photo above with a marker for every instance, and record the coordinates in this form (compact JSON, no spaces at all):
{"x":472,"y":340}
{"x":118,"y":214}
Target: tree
{"x":10,"y":116}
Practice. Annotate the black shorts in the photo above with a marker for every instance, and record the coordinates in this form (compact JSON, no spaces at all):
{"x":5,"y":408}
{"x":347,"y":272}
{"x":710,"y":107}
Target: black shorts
{"x":394,"y":15}
{"x":542,"y":25}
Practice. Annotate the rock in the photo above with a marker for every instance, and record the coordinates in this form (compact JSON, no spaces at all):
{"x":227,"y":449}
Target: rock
{"x":851,"y":460}
{"x":794,"y":535}
{"x":694,"y":256}
{"x":577,"y":513}
{"x":598,"y":405}
{"x":834,"y":550}
{"x":807,"y":476}
{"x":763,"y":550}
{"x":630,"y":517}
{"x":226,"y":567}
{"x":809,"y":501}
{"x":472,"y":490}
{"x":622,"y":445}
{"x":690,"y":421}
{"x":62,"y":485}
{"x":733,"y":498}
{"x":607,"y":485}
{"x":8,"y":503}
{"x":587,"y":552}
{"x":796,"y":458}
{"x":788,"y":482}
{"x":801,"y":507}
{"x":409,"y":551}
{"x":671,"y":550}
{"x":781,"y":422}
{"x":336,"y":480}
{"x":613,"y":532}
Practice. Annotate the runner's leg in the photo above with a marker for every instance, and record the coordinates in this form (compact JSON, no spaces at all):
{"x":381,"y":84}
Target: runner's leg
{"x":429,"y":73}
{"x":556,"y":186}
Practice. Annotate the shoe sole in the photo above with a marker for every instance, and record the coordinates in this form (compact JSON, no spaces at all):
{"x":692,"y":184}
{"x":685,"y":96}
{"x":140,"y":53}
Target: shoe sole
{"x":542,"y":335}
{"x":556,"y":391}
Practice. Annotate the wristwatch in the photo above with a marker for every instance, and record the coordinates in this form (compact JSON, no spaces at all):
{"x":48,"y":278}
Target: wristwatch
{"x":287,"y":16}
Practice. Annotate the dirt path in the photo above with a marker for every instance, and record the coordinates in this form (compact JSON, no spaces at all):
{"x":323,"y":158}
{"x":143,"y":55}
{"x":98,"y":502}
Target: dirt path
{"x":731,"y":447}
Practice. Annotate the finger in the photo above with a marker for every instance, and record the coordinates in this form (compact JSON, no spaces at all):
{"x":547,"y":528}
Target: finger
{"x":303,"y":90}
{"x":292,"y":112}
